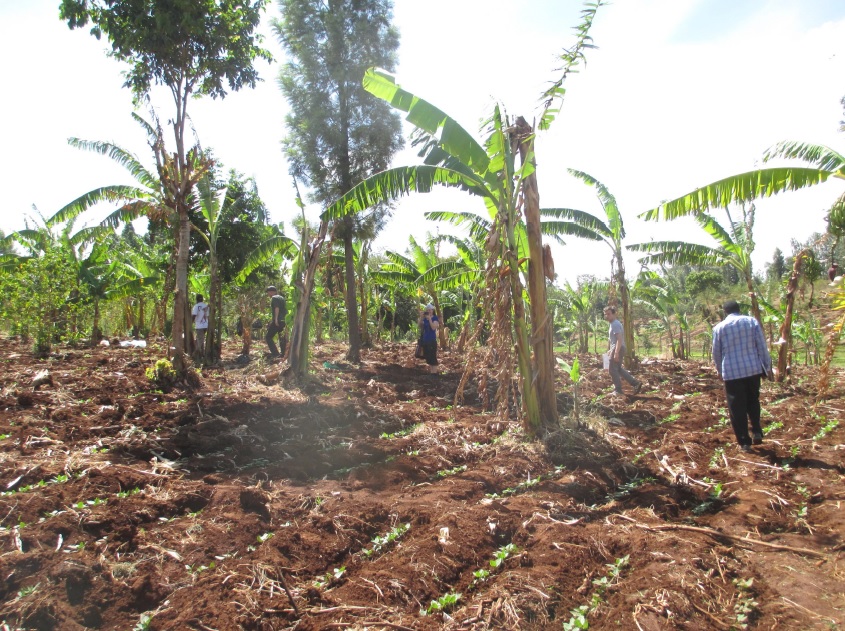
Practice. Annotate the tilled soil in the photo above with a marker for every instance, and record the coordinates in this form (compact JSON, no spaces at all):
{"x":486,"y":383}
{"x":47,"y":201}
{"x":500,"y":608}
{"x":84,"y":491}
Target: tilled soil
{"x":366,"y":500}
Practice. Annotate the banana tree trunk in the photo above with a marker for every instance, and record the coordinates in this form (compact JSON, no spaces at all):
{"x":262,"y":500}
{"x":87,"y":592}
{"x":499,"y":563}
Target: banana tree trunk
{"x":299,"y":343}
{"x":213,"y":313}
{"x":786,"y":326}
{"x":541,"y":322}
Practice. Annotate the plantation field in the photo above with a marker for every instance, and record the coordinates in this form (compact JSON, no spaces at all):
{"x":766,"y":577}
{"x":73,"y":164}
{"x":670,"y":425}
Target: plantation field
{"x":366,"y":500}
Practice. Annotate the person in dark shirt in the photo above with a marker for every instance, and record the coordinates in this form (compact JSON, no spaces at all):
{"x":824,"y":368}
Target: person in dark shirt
{"x":429,"y":323}
{"x":278,"y":311}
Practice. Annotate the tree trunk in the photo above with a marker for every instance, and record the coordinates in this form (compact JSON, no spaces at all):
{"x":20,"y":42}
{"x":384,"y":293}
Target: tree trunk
{"x":785,"y":340}
{"x":211,"y":354}
{"x":366,"y":342}
{"x":354,"y":353}
{"x":630,"y":358}
{"x":298,"y":354}
{"x":541,"y":334}
{"x":180,"y":332}
{"x":96,"y":334}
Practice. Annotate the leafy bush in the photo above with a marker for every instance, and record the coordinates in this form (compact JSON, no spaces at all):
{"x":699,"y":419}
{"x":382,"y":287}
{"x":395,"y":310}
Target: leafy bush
{"x":162,"y":375}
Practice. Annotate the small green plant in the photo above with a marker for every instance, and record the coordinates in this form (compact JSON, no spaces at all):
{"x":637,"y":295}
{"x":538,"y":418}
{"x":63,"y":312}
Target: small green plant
{"x":162,"y":374}
{"x":745,"y":603}
{"x":578,"y":619}
{"x":772,"y":427}
{"x":624,"y":490}
{"x":669,"y":419}
{"x":445,"y":603}
{"x":335,"y":575}
{"x":574,"y":372}
{"x":502,"y":554}
{"x":199,"y":569}
{"x":828,"y":427}
{"x":445,"y":473}
{"x":23,"y":592}
{"x":399,"y":434}
{"x":641,"y":455}
{"x":264,"y":537}
{"x":144,"y":623}
{"x":722,"y":423}
{"x":383,"y":541}
{"x":128,"y":493}
{"x":717,"y":456}
{"x":4,"y":436}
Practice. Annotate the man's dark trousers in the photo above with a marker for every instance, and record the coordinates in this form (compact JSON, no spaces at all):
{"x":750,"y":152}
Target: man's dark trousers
{"x":743,"y":397}
{"x":272,"y":331}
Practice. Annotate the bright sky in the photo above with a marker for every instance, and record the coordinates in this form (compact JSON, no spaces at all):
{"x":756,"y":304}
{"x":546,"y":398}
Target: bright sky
{"x":678,"y":94}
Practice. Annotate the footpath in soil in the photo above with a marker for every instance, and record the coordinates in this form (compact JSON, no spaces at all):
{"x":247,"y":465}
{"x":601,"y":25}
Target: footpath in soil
{"x":367,"y":500}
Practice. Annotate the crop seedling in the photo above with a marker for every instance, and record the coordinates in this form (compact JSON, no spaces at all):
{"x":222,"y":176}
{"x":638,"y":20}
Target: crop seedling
{"x":772,"y":427}
{"x":624,"y":490}
{"x":445,"y":473}
{"x":745,"y":603}
{"x":574,"y":372}
{"x":828,"y":427}
{"x":399,"y":434}
{"x":669,"y":419}
{"x":717,"y":456}
{"x":335,"y":575}
{"x":144,"y":623}
{"x":445,"y":603}
{"x":23,"y":592}
{"x":641,"y":455}
{"x":264,"y":537}
{"x":502,"y":554}
{"x":383,"y":541}
{"x":578,"y":619}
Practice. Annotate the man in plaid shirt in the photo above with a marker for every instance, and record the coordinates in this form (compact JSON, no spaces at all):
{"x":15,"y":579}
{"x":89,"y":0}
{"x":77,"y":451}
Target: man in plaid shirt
{"x":742,"y":359}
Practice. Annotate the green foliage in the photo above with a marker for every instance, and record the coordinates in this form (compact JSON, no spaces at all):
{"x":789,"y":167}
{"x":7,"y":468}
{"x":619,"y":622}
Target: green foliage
{"x":828,"y":427}
{"x":705,"y":280}
{"x":502,"y":554}
{"x":40,"y":297}
{"x":745,"y":605}
{"x":162,"y":375}
{"x":578,"y":616}
{"x":445,"y":473}
{"x":382,"y":541}
{"x":200,"y":45}
{"x":445,"y":603}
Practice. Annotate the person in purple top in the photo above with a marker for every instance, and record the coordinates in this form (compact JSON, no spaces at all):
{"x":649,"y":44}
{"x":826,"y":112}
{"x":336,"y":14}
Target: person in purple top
{"x":429,"y":323}
{"x":742,"y":359}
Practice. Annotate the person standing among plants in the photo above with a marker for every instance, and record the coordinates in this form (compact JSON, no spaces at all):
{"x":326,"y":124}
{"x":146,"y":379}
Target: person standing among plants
{"x":429,"y":323}
{"x":742,"y":359}
{"x":278,"y":311}
{"x":199,"y":314}
{"x":616,"y":352}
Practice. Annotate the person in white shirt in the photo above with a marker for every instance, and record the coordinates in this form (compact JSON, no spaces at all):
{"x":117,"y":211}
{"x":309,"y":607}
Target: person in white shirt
{"x":199,"y":314}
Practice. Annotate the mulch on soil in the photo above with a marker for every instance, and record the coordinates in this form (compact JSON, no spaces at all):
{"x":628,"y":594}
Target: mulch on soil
{"x":366,"y":500}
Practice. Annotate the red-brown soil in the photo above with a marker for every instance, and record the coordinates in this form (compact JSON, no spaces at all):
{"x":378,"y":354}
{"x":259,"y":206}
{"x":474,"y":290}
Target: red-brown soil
{"x":239,"y":505}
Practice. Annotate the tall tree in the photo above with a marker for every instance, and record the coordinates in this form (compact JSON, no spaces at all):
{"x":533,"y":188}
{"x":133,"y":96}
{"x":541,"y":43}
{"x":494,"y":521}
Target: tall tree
{"x":338,"y":133}
{"x":192,"y":47}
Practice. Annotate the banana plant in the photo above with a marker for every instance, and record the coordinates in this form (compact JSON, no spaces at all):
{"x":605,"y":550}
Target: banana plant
{"x":454,"y":158}
{"x":610,"y":231}
{"x":734,"y":245}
